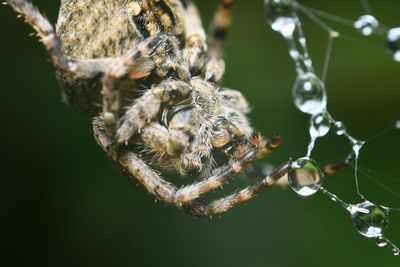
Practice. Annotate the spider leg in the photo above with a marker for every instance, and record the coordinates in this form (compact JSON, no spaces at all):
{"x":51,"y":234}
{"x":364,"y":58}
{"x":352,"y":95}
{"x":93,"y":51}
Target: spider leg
{"x":146,"y":107}
{"x":338,"y":166}
{"x":134,"y":167}
{"x":215,"y":67}
{"x":222,"y":205}
{"x":194,"y":53}
{"x":44,"y":30}
{"x":244,"y":154}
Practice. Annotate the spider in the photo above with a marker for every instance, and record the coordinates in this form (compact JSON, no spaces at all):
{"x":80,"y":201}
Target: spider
{"x":150,"y":78}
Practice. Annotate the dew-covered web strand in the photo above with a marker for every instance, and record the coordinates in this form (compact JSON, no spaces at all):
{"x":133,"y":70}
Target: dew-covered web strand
{"x":309,"y":91}
{"x":370,"y":174}
{"x":303,"y":44}
{"x":315,"y":18}
{"x":309,"y":95}
{"x":328,"y":16}
{"x":381,"y":28}
{"x":356,"y":144}
{"x":366,"y":24}
{"x":328,"y":55}
{"x":332,"y":34}
{"x":369,"y":219}
{"x":340,"y":129}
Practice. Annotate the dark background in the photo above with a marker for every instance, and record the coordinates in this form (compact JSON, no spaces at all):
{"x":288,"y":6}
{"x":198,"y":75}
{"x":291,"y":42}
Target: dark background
{"x":65,"y":205}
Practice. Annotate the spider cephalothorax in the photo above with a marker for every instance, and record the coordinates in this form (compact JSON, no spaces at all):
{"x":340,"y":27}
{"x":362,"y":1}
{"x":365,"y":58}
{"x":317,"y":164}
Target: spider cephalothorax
{"x":146,"y":72}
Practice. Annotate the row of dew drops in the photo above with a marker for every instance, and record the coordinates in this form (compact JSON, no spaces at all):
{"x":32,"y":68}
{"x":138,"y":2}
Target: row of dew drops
{"x":309,"y":95}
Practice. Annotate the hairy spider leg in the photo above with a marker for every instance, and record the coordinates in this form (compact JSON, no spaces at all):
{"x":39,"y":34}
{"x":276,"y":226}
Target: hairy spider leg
{"x":224,"y":204}
{"x":134,"y":167}
{"x":195,"y":50}
{"x":45,"y":31}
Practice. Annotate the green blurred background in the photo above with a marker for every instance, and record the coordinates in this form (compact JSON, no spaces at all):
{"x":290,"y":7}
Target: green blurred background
{"x":64,"y":205}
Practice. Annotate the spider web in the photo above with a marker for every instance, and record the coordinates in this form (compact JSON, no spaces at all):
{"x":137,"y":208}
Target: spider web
{"x":289,"y":23}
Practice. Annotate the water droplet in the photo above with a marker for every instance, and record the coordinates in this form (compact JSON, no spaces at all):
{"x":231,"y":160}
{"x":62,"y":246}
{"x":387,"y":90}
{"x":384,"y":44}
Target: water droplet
{"x":393,"y":42}
{"x":369,"y":219}
{"x":294,"y":54}
{"x":366,"y":24}
{"x":308,"y":62}
{"x":396,"y":252}
{"x":305,"y":176}
{"x":281,"y":16}
{"x":340,"y":128}
{"x":381,"y":241}
{"x":398,"y":124}
{"x":320,"y":124}
{"x":309,"y":94}
{"x":334,"y":34}
{"x":302,"y":41}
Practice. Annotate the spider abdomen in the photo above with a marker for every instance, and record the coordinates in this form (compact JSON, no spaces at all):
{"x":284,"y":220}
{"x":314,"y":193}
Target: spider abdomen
{"x":103,"y":30}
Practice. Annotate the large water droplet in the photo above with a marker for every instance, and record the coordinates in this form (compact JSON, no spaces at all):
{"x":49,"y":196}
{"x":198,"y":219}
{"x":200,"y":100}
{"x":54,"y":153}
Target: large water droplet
{"x":369,"y":219}
{"x":340,"y":128}
{"x":393,"y":42}
{"x":366,"y":24}
{"x":320,"y":124}
{"x":381,"y":241}
{"x":309,"y":94}
{"x":305,"y":176}
{"x":281,"y":16}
